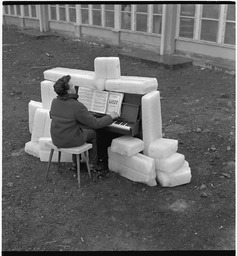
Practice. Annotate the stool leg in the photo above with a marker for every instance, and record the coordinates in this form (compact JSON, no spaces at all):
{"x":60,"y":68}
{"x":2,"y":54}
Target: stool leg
{"x":87,"y":163}
{"x":59,"y":158}
{"x":78,"y":170}
{"x":50,"y":159}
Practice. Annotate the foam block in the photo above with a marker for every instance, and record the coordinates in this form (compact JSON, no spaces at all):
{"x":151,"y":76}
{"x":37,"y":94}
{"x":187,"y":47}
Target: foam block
{"x":132,"y":84}
{"x":179,"y":177}
{"x":139,"y":168}
{"x":127,"y":145}
{"x":32,"y":106}
{"x":151,"y":119}
{"x":107,"y":67}
{"x":32,"y":148}
{"x":47,"y":93}
{"x":171,"y":163}
{"x":41,"y":120}
{"x":79,"y":77}
{"x":162,"y":148}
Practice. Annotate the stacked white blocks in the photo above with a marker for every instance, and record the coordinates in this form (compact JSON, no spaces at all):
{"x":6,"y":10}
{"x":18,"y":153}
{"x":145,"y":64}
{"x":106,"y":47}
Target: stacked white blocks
{"x":125,"y":159}
{"x":171,"y":167}
{"x":139,"y":160}
{"x":151,"y":118}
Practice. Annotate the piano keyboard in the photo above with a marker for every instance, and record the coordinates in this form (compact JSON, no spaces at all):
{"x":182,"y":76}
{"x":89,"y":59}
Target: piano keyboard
{"x":121,"y":125}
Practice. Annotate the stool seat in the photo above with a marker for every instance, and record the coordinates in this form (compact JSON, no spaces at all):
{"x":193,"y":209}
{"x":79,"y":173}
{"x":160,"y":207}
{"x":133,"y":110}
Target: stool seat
{"x":74,"y":151}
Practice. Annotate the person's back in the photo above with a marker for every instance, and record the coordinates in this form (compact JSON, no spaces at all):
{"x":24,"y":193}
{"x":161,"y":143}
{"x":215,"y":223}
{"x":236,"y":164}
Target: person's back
{"x":72,"y":124}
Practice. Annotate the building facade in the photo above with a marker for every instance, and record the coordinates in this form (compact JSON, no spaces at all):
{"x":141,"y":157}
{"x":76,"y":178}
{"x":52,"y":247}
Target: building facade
{"x":192,"y":30}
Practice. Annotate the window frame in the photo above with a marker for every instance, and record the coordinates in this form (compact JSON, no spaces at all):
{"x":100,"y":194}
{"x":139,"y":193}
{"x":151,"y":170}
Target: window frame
{"x":198,"y":23}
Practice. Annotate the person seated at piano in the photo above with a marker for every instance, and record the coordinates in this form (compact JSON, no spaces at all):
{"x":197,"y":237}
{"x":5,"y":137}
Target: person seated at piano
{"x":72,"y":124}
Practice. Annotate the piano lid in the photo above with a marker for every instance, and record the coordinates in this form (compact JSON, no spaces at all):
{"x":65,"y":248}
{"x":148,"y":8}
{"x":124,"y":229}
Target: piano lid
{"x":129,"y":112}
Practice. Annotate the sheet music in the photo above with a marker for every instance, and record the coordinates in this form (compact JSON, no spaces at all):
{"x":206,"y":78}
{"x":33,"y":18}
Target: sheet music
{"x":86,"y":96}
{"x":99,"y":101}
{"x":94,"y":100}
{"x":115,"y":102}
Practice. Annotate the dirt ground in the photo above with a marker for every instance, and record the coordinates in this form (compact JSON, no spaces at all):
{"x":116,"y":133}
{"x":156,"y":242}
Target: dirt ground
{"x":113,"y":213}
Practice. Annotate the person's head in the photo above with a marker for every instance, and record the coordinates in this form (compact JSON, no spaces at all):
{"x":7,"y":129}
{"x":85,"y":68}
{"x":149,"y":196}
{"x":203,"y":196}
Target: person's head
{"x":63,"y":86}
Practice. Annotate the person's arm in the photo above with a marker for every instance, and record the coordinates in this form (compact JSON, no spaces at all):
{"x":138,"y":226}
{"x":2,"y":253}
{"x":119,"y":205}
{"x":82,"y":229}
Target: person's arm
{"x":84,"y":117}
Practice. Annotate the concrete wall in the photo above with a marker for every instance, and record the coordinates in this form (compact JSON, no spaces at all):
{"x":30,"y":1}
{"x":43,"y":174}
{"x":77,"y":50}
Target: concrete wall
{"x":199,"y":48}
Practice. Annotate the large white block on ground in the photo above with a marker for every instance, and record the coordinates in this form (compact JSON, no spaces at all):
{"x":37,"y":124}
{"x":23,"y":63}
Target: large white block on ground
{"x":132,"y":84}
{"x":127,"y":145}
{"x":139,"y":168}
{"x":179,"y":177}
{"x":32,"y":106}
{"x":41,"y":124}
{"x":162,"y":148}
{"x":151,"y":119}
{"x":169,"y":164}
{"x":79,"y":77}
{"x":32,"y":148}
{"x":47,"y":93}
{"x":107,"y":67}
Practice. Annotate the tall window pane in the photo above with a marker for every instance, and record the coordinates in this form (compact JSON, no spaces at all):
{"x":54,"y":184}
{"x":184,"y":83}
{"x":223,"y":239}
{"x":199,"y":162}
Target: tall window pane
{"x":126,"y":16}
{"x":6,"y":9}
{"x":209,"y":30}
{"x":209,"y":23}
{"x":62,"y":12}
{"x":187,"y":16}
{"x":157,"y":18}
{"x":230,"y":25}
{"x":72,"y":13}
{"x":26,"y":10}
{"x":12,"y":10}
{"x":18,"y":10}
{"x":33,"y":11}
{"x":109,"y":15}
{"x":96,"y":11}
{"x":141,"y":18}
{"x":53,"y":12}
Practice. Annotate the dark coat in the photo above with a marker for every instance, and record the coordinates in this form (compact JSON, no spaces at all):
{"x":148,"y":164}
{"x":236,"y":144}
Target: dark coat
{"x":69,"y":116}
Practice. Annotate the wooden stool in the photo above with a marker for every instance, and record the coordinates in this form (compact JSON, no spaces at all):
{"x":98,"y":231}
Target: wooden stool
{"x":76,"y":151}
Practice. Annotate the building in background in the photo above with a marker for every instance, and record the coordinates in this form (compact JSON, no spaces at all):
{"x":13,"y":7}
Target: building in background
{"x":193,"y":30}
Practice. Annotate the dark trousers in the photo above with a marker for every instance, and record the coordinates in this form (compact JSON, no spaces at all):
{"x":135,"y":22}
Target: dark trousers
{"x":90,"y":137}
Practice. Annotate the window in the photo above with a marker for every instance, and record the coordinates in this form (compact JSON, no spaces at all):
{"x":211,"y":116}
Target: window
{"x":157,"y":18}
{"x":109,"y":15}
{"x":18,"y":10}
{"x":26,"y":11}
{"x":126,"y":16}
{"x":72,"y":13}
{"x":6,"y":9}
{"x":33,"y":11}
{"x":141,"y":18}
{"x":96,"y":14}
{"x":187,"y":15}
{"x":209,"y":22}
{"x":230,"y":25}
{"x":12,"y":12}
{"x":62,"y":12}
{"x":84,"y":14}
{"x":53,"y":13}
